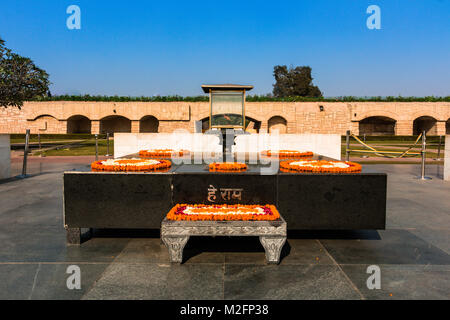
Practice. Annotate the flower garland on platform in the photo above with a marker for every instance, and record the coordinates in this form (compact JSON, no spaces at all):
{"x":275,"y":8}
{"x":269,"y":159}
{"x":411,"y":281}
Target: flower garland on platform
{"x":227,"y":167}
{"x":287,"y":154}
{"x":164,"y":153}
{"x":131,"y":165}
{"x":223,"y":212}
{"x":320,"y":166}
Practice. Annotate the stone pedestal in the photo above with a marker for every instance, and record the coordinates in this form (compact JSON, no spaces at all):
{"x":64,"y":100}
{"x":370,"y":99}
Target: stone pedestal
{"x":272,"y":234}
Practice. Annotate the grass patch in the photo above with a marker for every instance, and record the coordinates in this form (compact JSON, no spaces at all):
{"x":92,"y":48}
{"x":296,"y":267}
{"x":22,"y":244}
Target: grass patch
{"x":85,"y":148}
{"x":46,"y":141}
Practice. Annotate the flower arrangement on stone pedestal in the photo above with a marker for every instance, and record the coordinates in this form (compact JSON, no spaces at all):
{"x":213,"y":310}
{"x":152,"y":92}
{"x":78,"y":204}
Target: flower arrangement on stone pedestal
{"x":320,"y":166}
{"x":223,"y":212}
{"x":163,"y":153}
{"x":227,"y":167}
{"x":131,"y":165}
{"x":287,"y":153}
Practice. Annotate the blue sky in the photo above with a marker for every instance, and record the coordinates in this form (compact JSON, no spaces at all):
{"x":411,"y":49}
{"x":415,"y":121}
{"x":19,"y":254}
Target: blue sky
{"x":172,"y":47}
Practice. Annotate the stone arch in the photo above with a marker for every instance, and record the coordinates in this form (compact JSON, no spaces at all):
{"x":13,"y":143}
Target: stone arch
{"x":46,"y":123}
{"x":115,"y":123}
{"x":44,"y":116}
{"x":427,"y":113}
{"x":78,"y":124}
{"x":427,"y":123}
{"x":148,"y":124}
{"x":277,"y":123}
{"x":447,"y":126}
{"x":252,"y":125}
{"x":205,"y":124}
{"x":377,"y":125}
{"x":356,"y":116}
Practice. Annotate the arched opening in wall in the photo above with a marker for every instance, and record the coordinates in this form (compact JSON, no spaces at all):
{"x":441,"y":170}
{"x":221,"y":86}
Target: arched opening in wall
{"x":78,"y":124}
{"x":425,"y":123}
{"x":251,"y":125}
{"x":205,"y":124}
{"x":447,"y":127}
{"x":148,"y":124}
{"x":377,"y":126}
{"x":277,"y":123}
{"x":46,"y":124}
{"x":113,"y":124}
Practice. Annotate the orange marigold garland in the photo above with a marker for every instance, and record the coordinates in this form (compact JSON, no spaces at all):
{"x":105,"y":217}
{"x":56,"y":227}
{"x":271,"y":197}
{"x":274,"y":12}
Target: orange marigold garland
{"x":320,"y":166}
{"x":227,"y":166}
{"x":287,"y":153}
{"x":164,"y":153}
{"x":223,"y":212}
{"x":131,"y":165}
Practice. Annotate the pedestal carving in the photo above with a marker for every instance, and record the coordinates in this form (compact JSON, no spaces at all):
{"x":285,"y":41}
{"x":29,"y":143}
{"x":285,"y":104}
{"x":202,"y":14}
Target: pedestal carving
{"x":272,"y":234}
{"x":175,"y":245}
{"x":272,"y":246}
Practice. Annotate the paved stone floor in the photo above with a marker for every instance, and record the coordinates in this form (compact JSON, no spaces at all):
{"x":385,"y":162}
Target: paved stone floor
{"x":413,"y":253}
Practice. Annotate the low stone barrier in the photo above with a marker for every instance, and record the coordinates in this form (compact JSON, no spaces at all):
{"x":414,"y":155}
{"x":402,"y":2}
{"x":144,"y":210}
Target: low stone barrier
{"x":130,"y":143}
{"x":328,"y":145}
{"x":5,"y":156}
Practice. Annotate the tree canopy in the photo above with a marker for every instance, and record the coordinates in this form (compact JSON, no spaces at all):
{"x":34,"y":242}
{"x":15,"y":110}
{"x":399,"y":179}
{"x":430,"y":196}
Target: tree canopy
{"x":20,"y":79}
{"x":294,"y":82}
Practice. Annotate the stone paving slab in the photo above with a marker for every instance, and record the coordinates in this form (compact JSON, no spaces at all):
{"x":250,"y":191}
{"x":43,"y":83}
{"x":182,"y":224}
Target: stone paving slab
{"x":440,"y":238}
{"x":151,"y":250}
{"x":23,"y":244}
{"x":16,"y":280}
{"x":403,"y":281}
{"x":159,"y":281}
{"x":287,"y":282}
{"x":393,"y":247}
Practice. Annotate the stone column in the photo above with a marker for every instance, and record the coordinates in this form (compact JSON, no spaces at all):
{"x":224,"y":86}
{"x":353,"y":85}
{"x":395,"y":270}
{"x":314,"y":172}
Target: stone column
{"x":440,"y":128}
{"x":447,"y":158}
{"x":354,"y":128}
{"x":404,"y":128}
{"x":291,"y":127}
{"x":264,"y":127}
{"x":95,"y":127}
{"x":62,"y":126}
{"x":134,"y":126}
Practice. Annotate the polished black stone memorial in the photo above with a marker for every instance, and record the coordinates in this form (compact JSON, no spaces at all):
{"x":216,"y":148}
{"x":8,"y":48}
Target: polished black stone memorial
{"x":307,"y":201}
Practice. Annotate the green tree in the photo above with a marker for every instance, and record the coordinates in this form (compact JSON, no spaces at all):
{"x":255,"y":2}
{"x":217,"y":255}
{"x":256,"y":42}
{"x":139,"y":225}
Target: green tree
{"x":294,"y":82}
{"x":20,"y":79}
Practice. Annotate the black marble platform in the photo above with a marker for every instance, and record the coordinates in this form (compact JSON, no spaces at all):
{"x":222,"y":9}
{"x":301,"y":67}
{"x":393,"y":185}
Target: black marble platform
{"x":307,"y":201}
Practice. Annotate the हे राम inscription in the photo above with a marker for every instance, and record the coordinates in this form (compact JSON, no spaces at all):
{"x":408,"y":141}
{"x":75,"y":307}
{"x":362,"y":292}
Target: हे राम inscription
{"x":226,"y":194}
